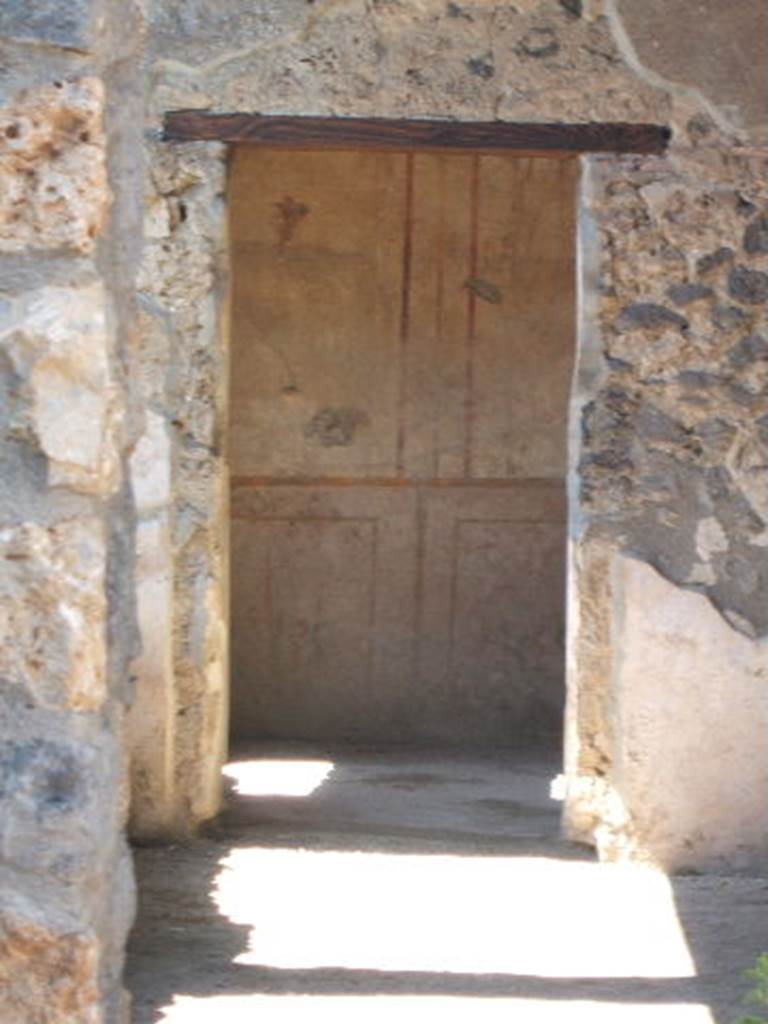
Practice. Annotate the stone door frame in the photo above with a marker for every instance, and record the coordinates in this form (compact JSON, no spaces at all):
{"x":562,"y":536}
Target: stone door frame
{"x":182,"y":754}
{"x":196,"y":750}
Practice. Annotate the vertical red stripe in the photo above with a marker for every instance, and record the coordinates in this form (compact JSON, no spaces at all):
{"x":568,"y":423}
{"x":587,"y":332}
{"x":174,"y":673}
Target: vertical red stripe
{"x":405,"y":311}
{"x":469,"y":359}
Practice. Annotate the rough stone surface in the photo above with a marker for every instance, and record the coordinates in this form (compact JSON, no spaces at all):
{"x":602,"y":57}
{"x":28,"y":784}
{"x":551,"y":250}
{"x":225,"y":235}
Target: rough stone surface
{"x":747,"y":285}
{"x":68,"y":404}
{"x":53,"y":614}
{"x":651,"y":474}
{"x":649,"y":316}
{"x":152,"y":717}
{"x":183,"y":541}
{"x":69,"y":24}
{"x":728,"y":318}
{"x":669,"y":431}
{"x":53,"y":174}
{"x":751,"y":349}
{"x":474,"y":60}
{"x":687,"y":292}
{"x":56,"y":789}
{"x":756,"y":235}
{"x":713,"y":260}
{"x":48,"y":970}
{"x":67,"y":418}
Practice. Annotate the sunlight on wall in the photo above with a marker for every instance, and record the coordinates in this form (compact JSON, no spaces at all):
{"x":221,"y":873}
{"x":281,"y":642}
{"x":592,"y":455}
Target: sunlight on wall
{"x":277,"y":778}
{"x":506,"y":915}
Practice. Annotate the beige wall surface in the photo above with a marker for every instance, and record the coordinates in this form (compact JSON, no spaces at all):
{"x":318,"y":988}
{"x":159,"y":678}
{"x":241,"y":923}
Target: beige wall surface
{"x":402,"y":340}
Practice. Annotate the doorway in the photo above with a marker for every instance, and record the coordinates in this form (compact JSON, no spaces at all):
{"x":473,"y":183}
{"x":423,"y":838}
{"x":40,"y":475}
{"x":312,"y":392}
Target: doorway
{"x":402,"y":348}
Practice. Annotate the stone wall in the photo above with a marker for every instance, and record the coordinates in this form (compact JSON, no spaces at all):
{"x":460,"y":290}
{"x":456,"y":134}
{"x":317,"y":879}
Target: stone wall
{"x":179,"y":722}
{"x":70,"y":120}
{"x":668,"y":435}
{"x":114,"y":385}
{"x":670,"y":427}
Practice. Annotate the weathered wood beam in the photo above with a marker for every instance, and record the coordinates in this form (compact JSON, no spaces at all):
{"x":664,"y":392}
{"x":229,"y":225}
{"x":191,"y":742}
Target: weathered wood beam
{"x":356,"y":133}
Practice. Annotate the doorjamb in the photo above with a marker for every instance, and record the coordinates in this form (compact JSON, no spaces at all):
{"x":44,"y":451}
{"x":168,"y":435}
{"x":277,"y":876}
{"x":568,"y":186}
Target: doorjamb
{"x":555,"y":141}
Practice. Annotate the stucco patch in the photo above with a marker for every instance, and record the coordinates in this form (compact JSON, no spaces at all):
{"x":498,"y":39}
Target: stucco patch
{"x":682,"y":676}
{"x":58,"y":341}
{"x":705,"y":45}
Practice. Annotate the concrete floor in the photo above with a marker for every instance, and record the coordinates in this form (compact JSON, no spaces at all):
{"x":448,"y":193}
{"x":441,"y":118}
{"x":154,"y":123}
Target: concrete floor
{"x":358,"y":885}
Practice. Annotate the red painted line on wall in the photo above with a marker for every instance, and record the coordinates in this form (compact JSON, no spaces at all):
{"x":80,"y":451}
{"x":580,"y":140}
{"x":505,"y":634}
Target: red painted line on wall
{"x":469,"y":360}
{"x":405,"y":311}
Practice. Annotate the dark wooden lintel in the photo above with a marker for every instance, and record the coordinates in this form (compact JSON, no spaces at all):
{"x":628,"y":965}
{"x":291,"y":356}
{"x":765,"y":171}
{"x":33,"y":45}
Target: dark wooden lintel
{"x":357,"y":133}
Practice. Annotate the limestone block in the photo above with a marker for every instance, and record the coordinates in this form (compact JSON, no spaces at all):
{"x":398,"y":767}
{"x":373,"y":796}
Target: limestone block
{"x":58,"y":346}
{"x":53,"y":178}
{"x":53,"y":613}
{"x":69,"y":24}
{"x":690,"y":695}
{"x":48,"y":968}
{"x":150,"y":355}
{"x":151,"y":465}
{"x":61,"y":808}
{"x":152,"y":717}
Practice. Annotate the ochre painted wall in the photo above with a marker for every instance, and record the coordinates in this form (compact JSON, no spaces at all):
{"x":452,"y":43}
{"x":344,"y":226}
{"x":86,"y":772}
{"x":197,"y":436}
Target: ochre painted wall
{"x":402,"y":347}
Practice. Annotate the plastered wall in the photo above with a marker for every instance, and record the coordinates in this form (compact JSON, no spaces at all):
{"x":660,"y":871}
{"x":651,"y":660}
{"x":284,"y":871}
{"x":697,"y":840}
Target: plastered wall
{"x":402,"y":347}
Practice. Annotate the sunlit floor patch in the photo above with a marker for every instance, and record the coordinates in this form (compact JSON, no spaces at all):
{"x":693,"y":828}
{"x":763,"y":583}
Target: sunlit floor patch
{"x":418,"y":886}
{"x":421,"y":1010}
{"x":502,"y":915}
{"x":278,"y":777}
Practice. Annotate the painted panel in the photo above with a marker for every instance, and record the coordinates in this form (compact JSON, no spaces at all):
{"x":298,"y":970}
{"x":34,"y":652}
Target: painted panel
{"x":522,"y":314}
{"x":435,"y":335}
{"x":493,"y":610}
{"x":401,"y":364}
{"x":322,"y":611}
{"x":317,"y":282}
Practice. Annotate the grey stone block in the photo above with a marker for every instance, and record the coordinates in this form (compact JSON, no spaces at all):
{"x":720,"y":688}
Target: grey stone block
{"x":66,"y":23}
{"x":749,"y":286}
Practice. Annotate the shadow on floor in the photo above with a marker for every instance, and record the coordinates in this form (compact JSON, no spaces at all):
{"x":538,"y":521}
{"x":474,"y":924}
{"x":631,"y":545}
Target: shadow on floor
{"x":426,"y":875}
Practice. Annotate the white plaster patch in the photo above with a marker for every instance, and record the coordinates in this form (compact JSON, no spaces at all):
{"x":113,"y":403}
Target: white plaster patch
{"x":702,"y":574}
{"x":151,"y":720}
{"x":58,"y":346}
{"x":691,"y":714}
{"x":151,"y":465}
{"x":710,"y":538}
